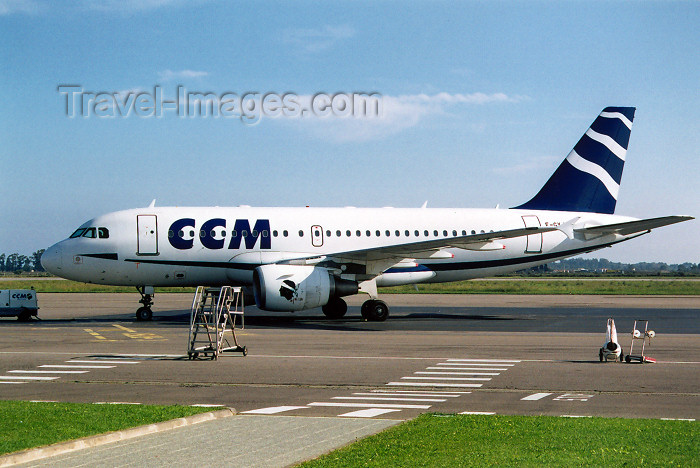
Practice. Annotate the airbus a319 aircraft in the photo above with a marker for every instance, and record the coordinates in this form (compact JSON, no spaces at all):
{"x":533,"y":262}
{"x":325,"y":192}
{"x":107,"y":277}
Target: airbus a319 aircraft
{"x":302,"y":258}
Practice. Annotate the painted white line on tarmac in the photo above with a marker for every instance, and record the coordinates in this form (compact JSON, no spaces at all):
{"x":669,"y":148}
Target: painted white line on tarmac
{"x":376,"y":398}
{"x":483,"y":413}
{"x":574,"y":416}
{"x":447,"y":378}
{"x":500,"y":369}
{"x":412,"y":394}
{"x":474,"y":364}
{"x":457,"y":373}
{"x":66,"y":366}
{"x":207,"y":405}
{"x":368,"y":413}
{"x":678,"y":419}
{"x":436,"y":384}
{"x":369,"y":405}
{"x":47,"y":372}
{"x":95,"y":361}
{"x":536,"y":396}
{"x":273,"y":410}
{"x":483,"y":360}
{"x":26,"y":377}
{"x":441,"y":392}
{"x":5,"y":382}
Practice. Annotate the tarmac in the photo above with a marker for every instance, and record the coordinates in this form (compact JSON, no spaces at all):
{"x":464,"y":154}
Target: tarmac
{"x":309,"y":384}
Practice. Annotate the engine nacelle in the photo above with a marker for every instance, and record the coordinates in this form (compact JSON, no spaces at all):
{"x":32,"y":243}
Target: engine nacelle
{"x":297,"y":287}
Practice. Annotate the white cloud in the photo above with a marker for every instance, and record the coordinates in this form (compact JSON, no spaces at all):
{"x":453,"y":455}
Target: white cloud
{"x":313,"y":41}
{"x":8,"y":7}
{"x":170,"y":75}
{"x":398,"y":113}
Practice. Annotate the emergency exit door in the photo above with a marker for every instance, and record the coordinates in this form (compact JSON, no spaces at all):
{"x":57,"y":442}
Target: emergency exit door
{"x":317,"y":236}
{"x":147,"y":241}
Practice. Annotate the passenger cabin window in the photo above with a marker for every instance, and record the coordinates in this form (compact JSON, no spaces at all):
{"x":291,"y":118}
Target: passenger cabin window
{"x":301,"y":233}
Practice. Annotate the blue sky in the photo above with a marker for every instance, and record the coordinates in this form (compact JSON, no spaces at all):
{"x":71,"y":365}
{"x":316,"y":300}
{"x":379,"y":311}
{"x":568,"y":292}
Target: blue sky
{"x":482,"y":100}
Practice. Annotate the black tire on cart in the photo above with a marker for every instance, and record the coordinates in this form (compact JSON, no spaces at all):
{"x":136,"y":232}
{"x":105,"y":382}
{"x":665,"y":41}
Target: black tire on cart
{"x":628,"y":359}
{"x":25,"y":315}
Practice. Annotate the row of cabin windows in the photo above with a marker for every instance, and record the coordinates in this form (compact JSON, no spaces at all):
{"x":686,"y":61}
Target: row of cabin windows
{"x":317,"y":233}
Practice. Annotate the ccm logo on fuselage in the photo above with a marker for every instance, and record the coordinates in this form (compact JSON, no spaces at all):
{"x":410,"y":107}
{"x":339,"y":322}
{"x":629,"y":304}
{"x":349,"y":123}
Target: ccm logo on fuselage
{"x":241,"y":232}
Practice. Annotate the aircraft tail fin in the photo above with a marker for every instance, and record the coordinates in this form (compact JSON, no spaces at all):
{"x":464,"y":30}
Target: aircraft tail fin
{"x":589,"y":178}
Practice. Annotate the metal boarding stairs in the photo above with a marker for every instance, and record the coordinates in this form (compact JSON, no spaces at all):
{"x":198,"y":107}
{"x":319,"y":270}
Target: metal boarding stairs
{"x":213,"y":322}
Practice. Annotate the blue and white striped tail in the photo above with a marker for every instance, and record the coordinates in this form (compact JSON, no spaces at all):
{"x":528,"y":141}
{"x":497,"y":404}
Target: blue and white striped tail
{"x":589,"y":178}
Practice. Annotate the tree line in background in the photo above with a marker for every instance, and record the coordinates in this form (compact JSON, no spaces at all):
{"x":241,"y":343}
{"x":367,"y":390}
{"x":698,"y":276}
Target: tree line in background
{"x":598,"y":266}
{"x":15,"y":262}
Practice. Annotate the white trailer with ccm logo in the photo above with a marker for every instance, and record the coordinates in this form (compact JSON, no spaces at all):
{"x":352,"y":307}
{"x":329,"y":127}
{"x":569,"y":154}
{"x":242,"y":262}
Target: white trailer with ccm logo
{"x":20,"y":303}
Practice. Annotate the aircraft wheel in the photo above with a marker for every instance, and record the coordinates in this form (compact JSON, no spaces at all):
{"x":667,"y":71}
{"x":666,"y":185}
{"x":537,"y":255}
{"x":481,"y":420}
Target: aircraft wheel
{"x":144,"y":313}
{"x":375,"y":310}
{"x":335,"y":309}
{"x":600,"y":355}
{"x":25,"y":315}
{"x":364,"y":310}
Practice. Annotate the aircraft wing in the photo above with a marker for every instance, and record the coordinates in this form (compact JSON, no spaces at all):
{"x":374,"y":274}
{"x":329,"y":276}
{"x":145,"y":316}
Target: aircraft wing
{"x":377,"y":259}
{"x":632,"y":227}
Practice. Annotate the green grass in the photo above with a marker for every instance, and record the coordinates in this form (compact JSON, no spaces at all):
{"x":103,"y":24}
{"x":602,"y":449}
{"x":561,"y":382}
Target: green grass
{"x":27,"y":425}
{"x":553,"y":286}
{"x":462,"y":441}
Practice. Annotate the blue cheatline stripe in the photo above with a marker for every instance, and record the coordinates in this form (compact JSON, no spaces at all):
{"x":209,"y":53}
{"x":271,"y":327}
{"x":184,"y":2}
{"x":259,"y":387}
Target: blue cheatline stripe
{"x":446,"y":266}
{"x":613,"y":128}
{"x":599,"y":154}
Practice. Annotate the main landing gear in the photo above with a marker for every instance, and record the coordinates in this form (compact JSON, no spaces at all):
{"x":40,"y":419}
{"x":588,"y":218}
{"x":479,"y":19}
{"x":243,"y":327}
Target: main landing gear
{"x":372,"y":310}
{"x":375,"y":310}
{"x":147,"y":293}
{"x":335,"y":309}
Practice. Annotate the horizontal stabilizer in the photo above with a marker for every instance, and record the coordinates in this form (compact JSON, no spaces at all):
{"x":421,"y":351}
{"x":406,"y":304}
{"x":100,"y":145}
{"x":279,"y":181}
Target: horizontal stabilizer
{"x":633,"y":227}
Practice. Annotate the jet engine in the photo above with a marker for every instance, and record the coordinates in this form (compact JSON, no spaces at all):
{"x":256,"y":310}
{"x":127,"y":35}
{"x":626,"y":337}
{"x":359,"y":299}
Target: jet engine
{"x":297,"y":287}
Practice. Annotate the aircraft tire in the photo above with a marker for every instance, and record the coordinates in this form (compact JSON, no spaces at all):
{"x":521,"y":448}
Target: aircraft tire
{"x":335,"y":309}
{"x":600,"y":355}
{"x":25,"y":315}
{"x":375,"y":310}
{"x":144,"y":313}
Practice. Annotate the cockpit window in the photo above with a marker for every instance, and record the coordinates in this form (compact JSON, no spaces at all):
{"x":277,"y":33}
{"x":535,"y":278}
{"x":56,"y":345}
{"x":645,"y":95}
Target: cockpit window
{"x":103,"y":232}
{"x":90,"y":232}
{"x":78,"y":232}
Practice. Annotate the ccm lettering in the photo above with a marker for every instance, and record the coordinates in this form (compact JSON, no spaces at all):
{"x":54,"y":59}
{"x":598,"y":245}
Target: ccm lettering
{"x":182,"y":238}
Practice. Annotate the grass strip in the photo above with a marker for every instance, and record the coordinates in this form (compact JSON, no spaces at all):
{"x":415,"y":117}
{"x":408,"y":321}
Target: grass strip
{"x":27,"y":425}
{"x":554,"y":286}
{"x":635,"y":288}
{"x":474,"y":440}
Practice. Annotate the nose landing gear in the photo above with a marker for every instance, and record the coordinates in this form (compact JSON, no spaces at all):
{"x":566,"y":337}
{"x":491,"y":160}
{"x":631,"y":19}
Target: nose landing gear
{"x":147,"y":293}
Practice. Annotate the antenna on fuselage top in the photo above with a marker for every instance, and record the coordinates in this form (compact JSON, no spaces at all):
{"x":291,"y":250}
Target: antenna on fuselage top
{"x":153,"y":203}
{"x":425,"y":204}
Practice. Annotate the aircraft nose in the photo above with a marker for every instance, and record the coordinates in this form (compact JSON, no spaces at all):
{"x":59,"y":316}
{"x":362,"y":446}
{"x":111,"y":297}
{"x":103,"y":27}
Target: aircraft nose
{"x":52,"y":259}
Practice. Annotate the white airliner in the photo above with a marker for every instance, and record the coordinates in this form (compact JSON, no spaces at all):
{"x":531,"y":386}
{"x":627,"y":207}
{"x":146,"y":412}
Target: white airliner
{"x":302,"y":258}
